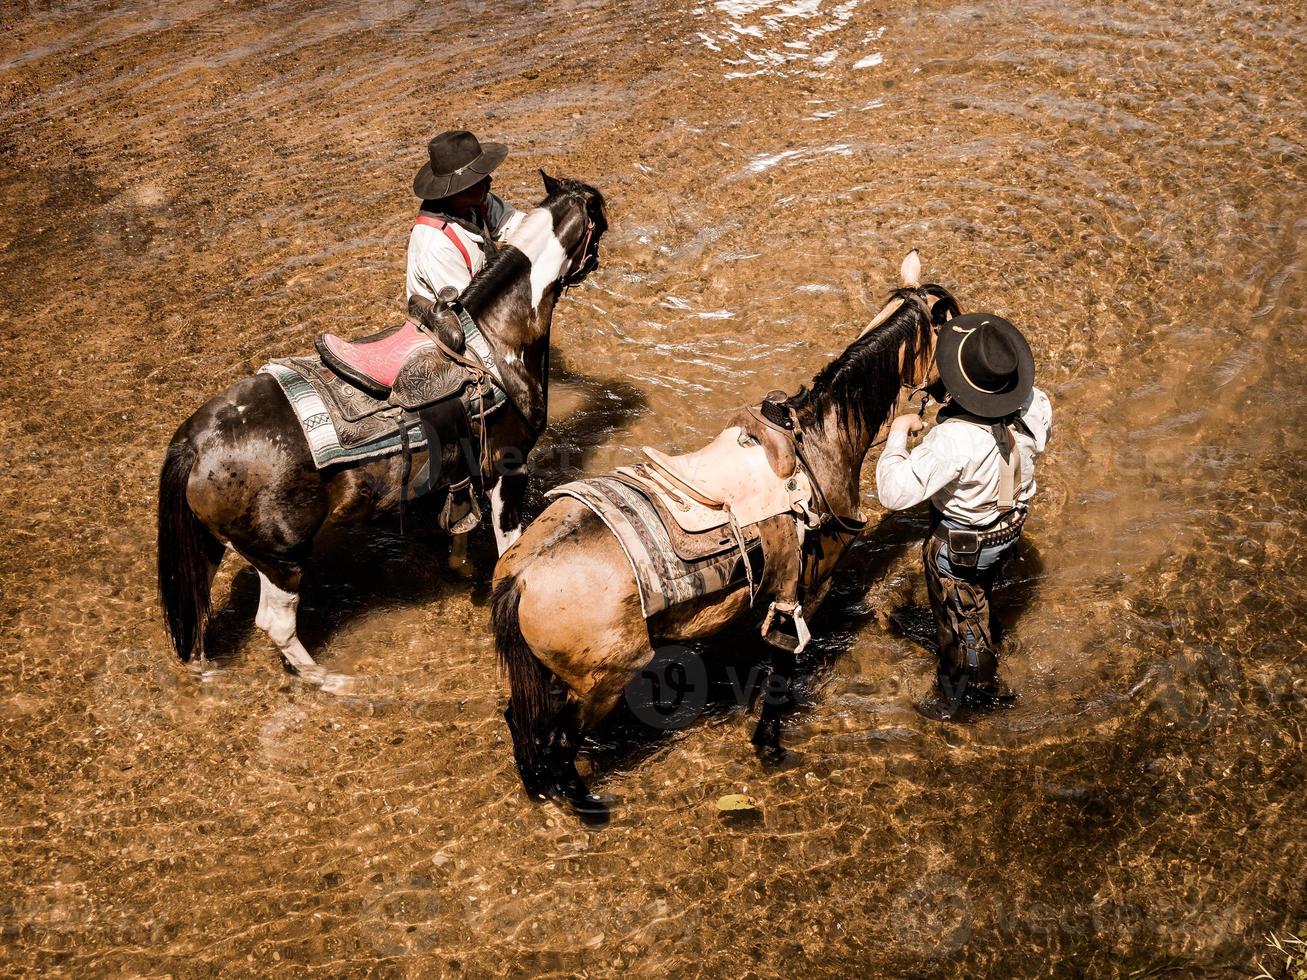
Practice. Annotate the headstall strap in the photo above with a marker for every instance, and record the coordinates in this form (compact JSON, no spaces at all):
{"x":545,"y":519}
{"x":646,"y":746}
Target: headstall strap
{"x":569,"y":279}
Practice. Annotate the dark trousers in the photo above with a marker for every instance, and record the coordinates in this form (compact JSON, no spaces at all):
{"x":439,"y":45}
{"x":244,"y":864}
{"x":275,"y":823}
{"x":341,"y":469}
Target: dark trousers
{"x":960,"y":600}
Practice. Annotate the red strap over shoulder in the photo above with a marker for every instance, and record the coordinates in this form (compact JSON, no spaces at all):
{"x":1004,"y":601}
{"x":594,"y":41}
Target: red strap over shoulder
{"x":430,"y":222}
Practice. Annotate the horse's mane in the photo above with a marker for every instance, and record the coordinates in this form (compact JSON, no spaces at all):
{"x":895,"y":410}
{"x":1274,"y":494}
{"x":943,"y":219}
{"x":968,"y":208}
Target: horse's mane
{"x":859,"y":387}
{"x":504,"y":265}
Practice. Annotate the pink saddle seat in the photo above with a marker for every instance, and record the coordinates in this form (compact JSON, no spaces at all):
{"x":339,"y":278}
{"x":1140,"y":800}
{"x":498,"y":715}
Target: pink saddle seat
{"x":373,"y":363}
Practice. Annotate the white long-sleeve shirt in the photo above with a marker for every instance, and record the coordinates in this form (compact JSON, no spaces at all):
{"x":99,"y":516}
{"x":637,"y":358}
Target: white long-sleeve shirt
{"x":435,"y":262}
{"x":957,"y":465}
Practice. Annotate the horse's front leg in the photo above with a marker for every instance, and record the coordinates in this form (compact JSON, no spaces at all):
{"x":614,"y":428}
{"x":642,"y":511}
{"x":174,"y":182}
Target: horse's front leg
{"x":777,"y":698}
{"x":507,"y":507}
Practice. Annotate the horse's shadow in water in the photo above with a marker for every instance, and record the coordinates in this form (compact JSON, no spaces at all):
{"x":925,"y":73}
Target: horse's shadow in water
{"x":673,"y":694}
{"x":568,"y":447}
{"x":390,"y":561}
{"x":400,"y":560}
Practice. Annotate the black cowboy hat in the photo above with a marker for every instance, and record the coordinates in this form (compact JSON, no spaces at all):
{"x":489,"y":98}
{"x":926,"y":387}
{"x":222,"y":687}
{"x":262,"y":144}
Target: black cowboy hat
{"x":458,"y":160}
{"x":985,"y":364}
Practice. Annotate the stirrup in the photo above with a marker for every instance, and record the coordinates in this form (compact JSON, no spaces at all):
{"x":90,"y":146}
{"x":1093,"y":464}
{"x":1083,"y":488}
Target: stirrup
{"x":461,"y":512}
{"x":785,"y":627}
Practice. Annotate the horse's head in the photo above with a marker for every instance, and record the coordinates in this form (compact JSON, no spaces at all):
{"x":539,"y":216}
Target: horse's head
{"x":854,"y":394}
{"x":579,"y":222}
{"x":935,"y":306}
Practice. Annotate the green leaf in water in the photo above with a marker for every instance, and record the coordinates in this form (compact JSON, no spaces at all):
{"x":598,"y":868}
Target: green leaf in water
{"x":734,"y":802}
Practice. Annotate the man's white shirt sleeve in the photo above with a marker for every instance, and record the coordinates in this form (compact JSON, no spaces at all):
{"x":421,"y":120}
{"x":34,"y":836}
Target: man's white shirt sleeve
{"x":434,"y":262}
{"x":905,"y":479}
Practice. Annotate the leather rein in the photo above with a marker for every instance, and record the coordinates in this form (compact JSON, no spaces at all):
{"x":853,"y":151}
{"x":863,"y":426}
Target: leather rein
{"x":788,"y":425}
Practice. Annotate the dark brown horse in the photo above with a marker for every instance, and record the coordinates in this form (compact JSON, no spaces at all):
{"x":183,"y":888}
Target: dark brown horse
{"x":239,"y":472}
{"x":566,"y":603}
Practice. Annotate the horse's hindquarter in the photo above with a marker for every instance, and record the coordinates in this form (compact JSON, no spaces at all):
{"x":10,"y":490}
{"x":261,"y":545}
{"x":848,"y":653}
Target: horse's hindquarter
{"x":580,"y":609}
{"x":250,"y":454}
{"x":580,"y":605}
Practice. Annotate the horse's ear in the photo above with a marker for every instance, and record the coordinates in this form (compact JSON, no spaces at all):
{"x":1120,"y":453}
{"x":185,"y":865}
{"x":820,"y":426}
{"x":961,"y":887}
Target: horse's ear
{"x":551,"y":186}
{"x":910,"y":271}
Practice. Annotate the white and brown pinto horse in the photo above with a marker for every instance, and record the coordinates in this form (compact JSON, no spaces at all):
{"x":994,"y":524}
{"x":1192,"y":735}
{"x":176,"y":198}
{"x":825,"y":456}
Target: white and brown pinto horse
{"x":239,"y":472}
{"x":566,"y":604}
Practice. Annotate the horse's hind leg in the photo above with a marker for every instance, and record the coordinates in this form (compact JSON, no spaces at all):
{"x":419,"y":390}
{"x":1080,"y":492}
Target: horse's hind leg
{"x":277,"y":616}
{"x":585,"y":711}
{"x":279,"y":602}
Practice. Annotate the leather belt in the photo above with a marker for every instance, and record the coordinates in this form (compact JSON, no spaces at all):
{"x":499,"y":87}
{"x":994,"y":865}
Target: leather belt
{"x":964,"y":546}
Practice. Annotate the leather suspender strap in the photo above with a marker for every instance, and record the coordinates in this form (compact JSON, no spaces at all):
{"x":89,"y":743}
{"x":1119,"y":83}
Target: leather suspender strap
{"x":1009,"y":458}
{"x":430,"y":222}
{"x":1009,"y":467}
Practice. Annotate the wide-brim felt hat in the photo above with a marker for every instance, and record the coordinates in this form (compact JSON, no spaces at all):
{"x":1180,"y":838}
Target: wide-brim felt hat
{"x":458,"y":160}
{"x":986,"y":364}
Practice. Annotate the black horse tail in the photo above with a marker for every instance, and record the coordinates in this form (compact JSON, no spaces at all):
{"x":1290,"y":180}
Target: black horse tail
{"x":528,"y":682}
{"x":187,"y":551}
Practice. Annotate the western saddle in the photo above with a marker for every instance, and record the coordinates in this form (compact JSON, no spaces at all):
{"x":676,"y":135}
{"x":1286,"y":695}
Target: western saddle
{"x":747,"y":478}
{"x":387,"y":364}
{"x":423,"y":367}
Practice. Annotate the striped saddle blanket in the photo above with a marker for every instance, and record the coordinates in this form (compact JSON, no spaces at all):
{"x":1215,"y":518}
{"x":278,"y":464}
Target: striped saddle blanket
{"x":666,"y":577}
{"x":345,"y":426}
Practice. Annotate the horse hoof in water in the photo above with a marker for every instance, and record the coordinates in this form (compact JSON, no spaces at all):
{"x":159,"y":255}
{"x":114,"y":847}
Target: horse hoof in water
{"x":569,"y":788}
{"x":327,"y":681}
{"x":588,"y":806}
{"x":767,"y":738}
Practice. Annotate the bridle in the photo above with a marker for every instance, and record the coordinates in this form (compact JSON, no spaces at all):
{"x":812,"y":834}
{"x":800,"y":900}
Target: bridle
{"x":581,"y":254}
{"x":949,"y":310}
{"x":781,"y":416}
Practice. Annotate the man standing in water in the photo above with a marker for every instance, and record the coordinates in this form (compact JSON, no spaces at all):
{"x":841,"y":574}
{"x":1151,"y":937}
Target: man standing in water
{"x":977,"y":469}
{"x":460,"y":220}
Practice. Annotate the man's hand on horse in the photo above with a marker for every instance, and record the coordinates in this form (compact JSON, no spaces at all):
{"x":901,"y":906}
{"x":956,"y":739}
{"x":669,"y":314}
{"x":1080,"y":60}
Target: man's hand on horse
{"x":910,"y":423}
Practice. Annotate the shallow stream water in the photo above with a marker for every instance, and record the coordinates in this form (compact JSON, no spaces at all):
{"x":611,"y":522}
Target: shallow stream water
{"x":189,"y":188}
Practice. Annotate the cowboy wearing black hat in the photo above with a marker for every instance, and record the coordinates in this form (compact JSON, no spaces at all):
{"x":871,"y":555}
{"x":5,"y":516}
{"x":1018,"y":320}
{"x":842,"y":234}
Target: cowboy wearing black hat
{"x":460,"y":220}
{"x":977,"y":469}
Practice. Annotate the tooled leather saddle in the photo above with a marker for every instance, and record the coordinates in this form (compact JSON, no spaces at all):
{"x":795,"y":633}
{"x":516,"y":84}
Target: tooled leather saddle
{"x":423,"y":360}
{"x":422,"y":367}
{"x":744,"y":488}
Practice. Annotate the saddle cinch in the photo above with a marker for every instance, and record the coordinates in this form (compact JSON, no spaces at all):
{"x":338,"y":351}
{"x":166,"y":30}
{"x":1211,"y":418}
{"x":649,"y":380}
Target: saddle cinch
{"x":422,"y":367}
{"x":746,"y":488}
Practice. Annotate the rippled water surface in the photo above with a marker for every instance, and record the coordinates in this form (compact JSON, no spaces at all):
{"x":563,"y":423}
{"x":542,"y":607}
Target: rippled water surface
{"x":192,"y":187}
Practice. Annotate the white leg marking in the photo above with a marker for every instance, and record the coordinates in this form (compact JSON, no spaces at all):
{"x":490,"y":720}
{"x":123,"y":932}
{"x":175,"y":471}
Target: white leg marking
{"x":276,"y":617}
{"x":503,"y":538}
